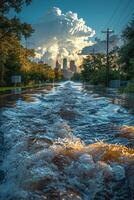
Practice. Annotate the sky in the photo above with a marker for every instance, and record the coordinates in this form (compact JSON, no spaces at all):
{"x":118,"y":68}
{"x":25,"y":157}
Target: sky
{"x":64,"y":28}
{"x":98,"y":14}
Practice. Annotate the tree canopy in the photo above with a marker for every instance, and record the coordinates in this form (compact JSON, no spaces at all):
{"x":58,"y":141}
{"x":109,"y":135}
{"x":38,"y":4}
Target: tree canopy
{"x":7,"y":5}
{"x":127,"y":50}
{"x":13,"y":56}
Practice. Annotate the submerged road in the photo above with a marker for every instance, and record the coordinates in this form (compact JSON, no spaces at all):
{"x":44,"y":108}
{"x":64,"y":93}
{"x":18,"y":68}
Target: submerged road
{"x":67,"y":143}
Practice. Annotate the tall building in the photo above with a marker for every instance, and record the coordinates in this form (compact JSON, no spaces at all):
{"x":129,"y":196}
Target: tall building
{"x":64,"y":63}
{"x":67,"y":74}
{"x":41,"y":62}
{"x":73,"y":66}
{"x":58,"y":65}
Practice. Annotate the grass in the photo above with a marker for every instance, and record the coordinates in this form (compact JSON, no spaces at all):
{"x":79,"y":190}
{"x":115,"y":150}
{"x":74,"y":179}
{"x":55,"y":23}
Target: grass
{"x":9,"y":88}
{"x":4,"y":89}
{"x":127,"y":89}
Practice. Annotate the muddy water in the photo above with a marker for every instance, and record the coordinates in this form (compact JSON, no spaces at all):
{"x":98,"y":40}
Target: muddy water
{"x":67,"y":144}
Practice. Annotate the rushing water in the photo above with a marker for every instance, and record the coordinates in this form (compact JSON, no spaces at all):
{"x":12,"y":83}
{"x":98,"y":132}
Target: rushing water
{"x":67,"y":144}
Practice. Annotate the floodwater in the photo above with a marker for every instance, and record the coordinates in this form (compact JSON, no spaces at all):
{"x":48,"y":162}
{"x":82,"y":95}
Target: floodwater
{"x":66,"y":143}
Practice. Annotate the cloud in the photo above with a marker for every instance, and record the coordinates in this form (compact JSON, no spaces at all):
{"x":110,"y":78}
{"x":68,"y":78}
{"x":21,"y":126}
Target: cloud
{"x":100,"y":45}
{"x":58,"y":35}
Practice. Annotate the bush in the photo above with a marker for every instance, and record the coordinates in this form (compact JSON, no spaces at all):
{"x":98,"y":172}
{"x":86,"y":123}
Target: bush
{"x":130,"y":87}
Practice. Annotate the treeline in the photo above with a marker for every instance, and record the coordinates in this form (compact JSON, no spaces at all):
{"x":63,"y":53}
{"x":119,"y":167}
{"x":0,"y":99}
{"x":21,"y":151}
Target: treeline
{"x":15,"y":59}
{"x":127,"y":55}
{"x":121,"y":62}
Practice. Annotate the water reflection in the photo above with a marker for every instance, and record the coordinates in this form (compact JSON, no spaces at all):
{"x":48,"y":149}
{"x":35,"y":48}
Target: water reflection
{"x":9,"y":98}
{"x":16,"y":91}
{"x":68,"y":143}
{"x":126,"y":100}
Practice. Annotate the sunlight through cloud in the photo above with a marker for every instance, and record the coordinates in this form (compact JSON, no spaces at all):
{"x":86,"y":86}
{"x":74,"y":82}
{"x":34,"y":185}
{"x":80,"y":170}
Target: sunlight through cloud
{"x":60,"y":35}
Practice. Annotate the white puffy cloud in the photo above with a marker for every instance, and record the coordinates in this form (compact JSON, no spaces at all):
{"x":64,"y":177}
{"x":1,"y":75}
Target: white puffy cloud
{"x":58,"y":35}
{"x":100,"y":45}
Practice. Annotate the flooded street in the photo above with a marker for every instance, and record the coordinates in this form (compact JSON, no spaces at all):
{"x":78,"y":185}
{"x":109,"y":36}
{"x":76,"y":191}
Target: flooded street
{"x":67,"y":143}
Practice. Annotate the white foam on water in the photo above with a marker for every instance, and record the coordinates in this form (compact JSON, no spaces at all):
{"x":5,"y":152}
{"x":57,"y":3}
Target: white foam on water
{"x":48,"y":147}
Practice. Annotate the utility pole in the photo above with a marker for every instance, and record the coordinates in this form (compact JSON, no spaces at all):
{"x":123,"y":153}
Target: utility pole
{"x":93,"y":58}
{"x":108,"y":32}
{"x":93,"y":51}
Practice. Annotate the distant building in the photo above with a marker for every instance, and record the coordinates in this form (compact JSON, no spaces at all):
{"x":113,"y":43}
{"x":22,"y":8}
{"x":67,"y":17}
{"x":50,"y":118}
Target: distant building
{"x":65,"y":64}
{"x":41,"y":62}
{"x":67,"y":74}
{"x":73,"y":66}
{"x":58,"y":65}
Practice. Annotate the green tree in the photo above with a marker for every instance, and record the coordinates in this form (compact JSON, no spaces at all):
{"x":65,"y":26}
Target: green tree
{"x":13,"y":56}
{"x":39,"y":72}
{"x":127,"y":51}
{"x":7,"y":5}
{"x":76,"y":77}
{"x":86,"y":70}
{"x":9,"y":27}
{"x":94,"y":68}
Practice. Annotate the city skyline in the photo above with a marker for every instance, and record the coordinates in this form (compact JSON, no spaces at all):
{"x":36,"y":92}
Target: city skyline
{"x":74,"y":29}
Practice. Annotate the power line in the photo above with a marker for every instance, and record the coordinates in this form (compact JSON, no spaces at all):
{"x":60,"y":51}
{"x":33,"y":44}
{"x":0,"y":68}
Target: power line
{"x":126,"y":19}
{"x":113,"y":23}
{"x":108,"y":32}
{"x":125,"y":9}
{"x":114,"y":13}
